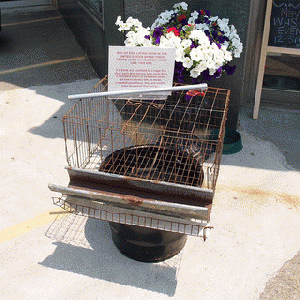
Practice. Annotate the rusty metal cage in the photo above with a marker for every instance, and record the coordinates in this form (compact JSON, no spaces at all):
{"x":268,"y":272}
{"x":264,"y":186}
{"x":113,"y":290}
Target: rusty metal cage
{"x":161,"y":156}
{"x":176,"y":140}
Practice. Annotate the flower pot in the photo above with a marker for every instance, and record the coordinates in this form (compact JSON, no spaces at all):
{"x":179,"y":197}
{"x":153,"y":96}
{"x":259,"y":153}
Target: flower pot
{"x":232,"y":141}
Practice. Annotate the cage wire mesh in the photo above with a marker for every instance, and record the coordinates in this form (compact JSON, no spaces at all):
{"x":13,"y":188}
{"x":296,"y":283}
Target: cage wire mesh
{"x":70,"y":229}
{"x":178,"y":139}
{"x":137,"y":218}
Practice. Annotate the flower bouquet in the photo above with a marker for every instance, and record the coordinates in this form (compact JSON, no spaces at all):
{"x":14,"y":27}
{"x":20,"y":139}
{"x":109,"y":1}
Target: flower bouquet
{"x":205,"y":45}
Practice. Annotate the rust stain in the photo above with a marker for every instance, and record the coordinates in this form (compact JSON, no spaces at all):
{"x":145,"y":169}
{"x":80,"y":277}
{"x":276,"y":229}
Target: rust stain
{"x":133,"y":201}
{"x":258,"y":192}
{"x":261,"y":195}
{"x":293,"y":201}
{"x":209,"y":207}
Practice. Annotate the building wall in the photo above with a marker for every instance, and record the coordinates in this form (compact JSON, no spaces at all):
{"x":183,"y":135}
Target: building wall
{"x":94,"y":35}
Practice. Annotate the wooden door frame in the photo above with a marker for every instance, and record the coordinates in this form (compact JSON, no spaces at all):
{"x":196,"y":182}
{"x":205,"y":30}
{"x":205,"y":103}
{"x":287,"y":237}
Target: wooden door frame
{"x":252,"y":50}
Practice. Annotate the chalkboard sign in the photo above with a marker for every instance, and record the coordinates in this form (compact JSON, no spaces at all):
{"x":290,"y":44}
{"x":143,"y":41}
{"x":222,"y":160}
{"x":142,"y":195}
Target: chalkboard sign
{"x":285,"y":24}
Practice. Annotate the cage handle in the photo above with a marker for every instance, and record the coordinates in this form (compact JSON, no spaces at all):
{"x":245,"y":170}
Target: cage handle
{"x":201,"y":86}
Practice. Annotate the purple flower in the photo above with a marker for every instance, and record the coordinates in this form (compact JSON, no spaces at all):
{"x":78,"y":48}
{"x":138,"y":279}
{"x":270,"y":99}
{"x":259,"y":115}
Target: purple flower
{"x":179,"y":78}
{"x":218,"y":73}
{"x":178,"y":72}
{"x":198,"y":21}
{"x":207,"y":12}
{"x":207,"y":33}
{"x":187,"y":97}
{"x":215,"y":34}
{"x":196,"y":80}
{"x":184,"y":22}
{"x":206,"y":75}
{"x":206,"y":20}
{"x":173,"y":18}
{"x":193,"y":45}
{"x":229,"y":69}
{"x":147,"y":37}
{"x":221,"y":39}
{"x":158,"y":32}
{"x":179,"y":67}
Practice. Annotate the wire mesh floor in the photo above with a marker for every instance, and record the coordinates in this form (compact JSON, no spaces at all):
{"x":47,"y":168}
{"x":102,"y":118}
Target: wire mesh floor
{"x":69,"y":229}
{"x":108,"y":213}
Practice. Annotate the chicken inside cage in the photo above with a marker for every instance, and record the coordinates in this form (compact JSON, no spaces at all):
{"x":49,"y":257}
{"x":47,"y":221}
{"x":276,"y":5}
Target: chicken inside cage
{"x":146,"y":162}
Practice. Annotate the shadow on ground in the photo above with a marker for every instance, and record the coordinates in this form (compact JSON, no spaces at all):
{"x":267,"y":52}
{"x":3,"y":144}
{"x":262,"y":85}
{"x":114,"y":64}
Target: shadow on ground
{"x":279,"y":126}
{"x":102,"y":260}
{"x":41,"y":61}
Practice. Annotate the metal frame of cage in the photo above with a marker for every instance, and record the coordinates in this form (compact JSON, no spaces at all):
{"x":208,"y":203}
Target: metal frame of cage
{"x":145,"y":161}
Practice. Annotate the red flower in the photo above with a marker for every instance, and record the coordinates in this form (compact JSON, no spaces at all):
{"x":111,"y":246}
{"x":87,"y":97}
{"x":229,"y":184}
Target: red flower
{"x":181,"y":17}
{"x":193,"y":93}
{"x":202,"y":12}
{"x":173,"y":29}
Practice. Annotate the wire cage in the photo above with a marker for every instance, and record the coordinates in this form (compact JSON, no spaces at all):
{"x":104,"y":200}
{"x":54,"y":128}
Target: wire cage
{"x":145,"y":161}
{"x":178,"y":139}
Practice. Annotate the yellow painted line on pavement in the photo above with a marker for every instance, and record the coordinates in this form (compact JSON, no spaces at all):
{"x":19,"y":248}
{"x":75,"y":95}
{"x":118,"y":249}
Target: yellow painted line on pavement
{"x":17,"y":230}
{"x":47,"y":63}
{"x":32,"y":21}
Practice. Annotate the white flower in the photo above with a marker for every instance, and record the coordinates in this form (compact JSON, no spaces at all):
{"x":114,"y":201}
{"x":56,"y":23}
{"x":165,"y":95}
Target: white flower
{"x":170,"y":40}
{"x":130,"y":23}
{"x":185,"y":43}
{"x":195,"y":15}
{"x":134,"y":39}
{"x":195,"y":72}
{"x":179,"y":55}
{"x":231,"y":32}
{"x":238,"y":47}
{"x":162,"y":19}
{"x":119,"y":21}
{"x":214,"y":18}
{"x":196,"y":54}
{"x":202,"y":27}
{"x":227,"y":54}
{"x":187,"y":62}
{"x":199,"y":35}
{"x":182,"y":5}
{"x":223,"y":24}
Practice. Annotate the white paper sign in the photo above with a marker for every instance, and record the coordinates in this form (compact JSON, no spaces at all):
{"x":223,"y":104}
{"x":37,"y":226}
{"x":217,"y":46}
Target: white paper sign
{"x":136,"y":68}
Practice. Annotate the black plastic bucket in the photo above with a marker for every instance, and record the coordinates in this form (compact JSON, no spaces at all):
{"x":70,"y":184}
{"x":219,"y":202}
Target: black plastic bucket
{"x":146,"y":244}
{"x":155,"y":163}
{"x":142,"y":243}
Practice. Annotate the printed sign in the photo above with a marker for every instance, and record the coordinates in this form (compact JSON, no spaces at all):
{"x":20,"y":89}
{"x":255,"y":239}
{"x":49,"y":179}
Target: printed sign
{"x":137,"y":68}
{"x":285,"y":24}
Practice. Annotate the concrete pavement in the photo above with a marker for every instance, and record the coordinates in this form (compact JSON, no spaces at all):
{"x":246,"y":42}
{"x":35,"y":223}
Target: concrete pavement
{"x":252,"y":252}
